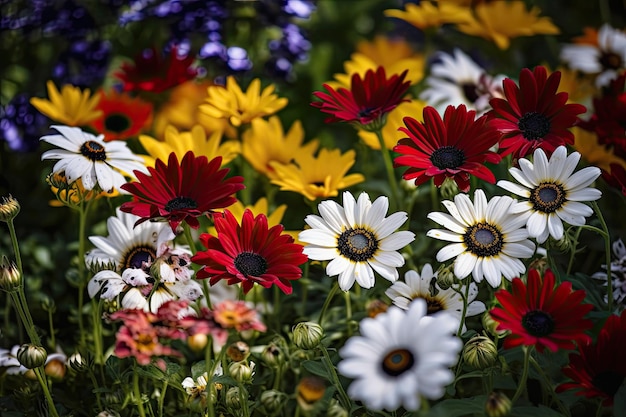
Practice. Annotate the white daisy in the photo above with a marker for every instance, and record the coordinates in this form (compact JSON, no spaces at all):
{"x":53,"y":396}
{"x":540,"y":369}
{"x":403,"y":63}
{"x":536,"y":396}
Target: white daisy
{"x":554,"y":192}
{"x":357,"y":239}
{"x":425,"y":286}
{"x":128,"y":246}
{"x":96,"y":162}
{"x":618,"y":273}
{"x":401,"y":356}
{"x":489,"y":237}
{"x":456,"y":80}
{"x":607,"y":58}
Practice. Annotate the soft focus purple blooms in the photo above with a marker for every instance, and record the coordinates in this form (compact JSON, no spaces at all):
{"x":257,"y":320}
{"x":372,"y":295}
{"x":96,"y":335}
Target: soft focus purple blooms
{"x":21,"y":125}
{"x":84,"y":64}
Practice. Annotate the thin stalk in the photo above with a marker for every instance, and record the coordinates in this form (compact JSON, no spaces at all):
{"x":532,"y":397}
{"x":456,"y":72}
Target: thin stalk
{"x":137,"y":394}
{"x":570,"y":263}
{"x":345,"y":400}
{"x":464,"y":311}
{"x":346,"y":296}
{"x":94,"y":381}
{"x":41,"y":377}
{"x":393,"y":183}
{"x":162,"y":398}
{"x":329,"y":297}
{"x":607,"y":251}
{"x":522,"y":383}
{"x":16,"y":247}
{"x":550,"y":386}
{"x":22,"y":310}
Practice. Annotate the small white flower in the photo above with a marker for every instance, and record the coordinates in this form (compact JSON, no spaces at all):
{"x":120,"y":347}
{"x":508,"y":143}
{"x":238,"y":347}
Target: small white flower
{"x":425,"y":286}
{"x":357,"y":239}
{"x":607,"y":58}
{"x":554,"y":192}
{"x":618,"y":273}
{"x":96,"y":162}
{"x":401,"y":356}
{"x":489,"y":237}
{"x":456,"y":79}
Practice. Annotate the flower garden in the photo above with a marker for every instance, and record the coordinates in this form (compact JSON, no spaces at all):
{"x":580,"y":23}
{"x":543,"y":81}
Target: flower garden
{"x":312,"y":208}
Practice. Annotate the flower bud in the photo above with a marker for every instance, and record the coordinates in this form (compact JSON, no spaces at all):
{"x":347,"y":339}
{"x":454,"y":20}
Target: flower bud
{"x":241,"y":371}
{"x":55,"y":368}
{"x":108,"y":413}
{"x":448,"y":189}
{"x":490,"y":325}
{"x":273,"y":400}
{"x":233,"y":399}
{"x":48,"y":304}
{"x":77,"y":362}
{"x":273,"y":355}
{"x":480,"y":352}
{"x":238,"y":351}
{"x":9,"y":209}
{"x":309,"y":391}
{"x":445,"y":277}
{"x":336,"y":410}
{"x":375,"y":307}
{"x":31,"y":356}
{"x":10,"y":277}
{"x":497,"y":405}
{"x":307,"y":335}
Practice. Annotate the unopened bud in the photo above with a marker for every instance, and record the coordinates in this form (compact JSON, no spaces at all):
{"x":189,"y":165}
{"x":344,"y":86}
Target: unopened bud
{"x":9,"y":209}
{"x":307,"y":335}
{"x":273,"y":400}
{"x":77,"y":362}
{"x":310,"y":390}
{"x":48,"y":304}
{"x":238,"y":351}
{"x":490,"y":325}
{"x":10,"y":277}
{"x":480,"y":352}
{"x":241,"y":371}
{"x":273,"y":355}
{"x":446,"y":278}
{"x":31,"y":356}
{"x":108,"y":413}
{"x":233,"y":399}
{"x":375,"y":307}
{"x":336,"y":410}
{"x":497,"y":405}
{"x":55,"y":368}
{"x":448,"y":189}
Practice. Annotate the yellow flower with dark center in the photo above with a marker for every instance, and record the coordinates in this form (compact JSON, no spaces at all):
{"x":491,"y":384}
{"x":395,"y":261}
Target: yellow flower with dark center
{"x":266,"y":141}
{"x":393,"y":54}
{"x":194,"y":140}
{"x":429,"y":14}
{"x":602,"y":156}
{"x":413,"y":108}
{"x":317,"y":177}
{"x":499,"y":21}
{"x":70,"y":106}
{"x":239,"y":108}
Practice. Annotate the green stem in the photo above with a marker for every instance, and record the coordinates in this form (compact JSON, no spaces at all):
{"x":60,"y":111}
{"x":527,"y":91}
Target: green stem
{"x":97,"y":330}
{"x":522,"y":383}
{"x":83,"y":209}
{"x":96,"y":387}
{"x":607,"y":251}
{"x":393,"y":182}
{"x":329,"y":298}
{"x":41,"y":377}
{"x":464,"y":311}
{"x":22,"y":310}
{"x":137,"y":393}
{"x":570,"y":263}
{"x":346,"y":295}
{"x":162,"y":398}
{"x":550,"y":386}
{"x":189,"y":238}
{"x":16,"y":247}
{"x":51,"y":326}
{"x":345,"y":400}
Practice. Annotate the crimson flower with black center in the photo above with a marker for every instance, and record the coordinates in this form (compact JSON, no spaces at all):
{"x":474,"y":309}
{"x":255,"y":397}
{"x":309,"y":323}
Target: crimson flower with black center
{"x":249,"y":253}
{"x":183,"y":191}
{"x":533,"y":115}
{"x":538,"y":314}
{"x":598,"y":370}
{"x":367,"y":102}
{"x":455,"y":147}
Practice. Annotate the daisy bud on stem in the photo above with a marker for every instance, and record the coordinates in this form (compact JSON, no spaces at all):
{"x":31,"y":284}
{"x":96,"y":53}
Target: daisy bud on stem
{"x":480,"y":352}
{"x":31,"y":356}
{"x":273,"y":401}
{"x":238,"y":351}
{"x":10,"y":277}
{"x":9,"y":209}
{"x":241,"y":371}
{"x":498,"y":405}
{"x":446,"y":278}
{"x":307,"y":335}
{"x":310,"y":390}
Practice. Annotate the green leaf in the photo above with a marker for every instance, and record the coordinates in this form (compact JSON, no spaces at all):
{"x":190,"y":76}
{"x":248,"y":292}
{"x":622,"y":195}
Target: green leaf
{"x":541,"y":411}
{"x":459,"y":408}
{"x":316,"y":368}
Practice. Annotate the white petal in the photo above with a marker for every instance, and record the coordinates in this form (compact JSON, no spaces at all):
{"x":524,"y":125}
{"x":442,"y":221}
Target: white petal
{"x":450,"y":251}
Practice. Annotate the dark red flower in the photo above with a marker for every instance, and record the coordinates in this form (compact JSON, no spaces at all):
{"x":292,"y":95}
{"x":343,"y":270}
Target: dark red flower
{"x":616,"y":178}
{"x":368,"y":100}
{"x":540,"y":315}
{"x":249,"y":253}
{"x":456,"y":147}
{"x":155,"y":73}
{"x":181,"y":192}
{"x":598,"y":370}
{"x":122,"y":117}
{"x":534,"y":115}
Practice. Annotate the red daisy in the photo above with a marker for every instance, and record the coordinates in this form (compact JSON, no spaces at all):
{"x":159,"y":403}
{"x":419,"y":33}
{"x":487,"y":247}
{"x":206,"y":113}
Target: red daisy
{"x":181,"y":192}
{"x":616,"y":178}
{"x":534,"y":115}
{"x":155,"y":73}
{"x":122,"y":116}
{"x":541,"y":315}
{"x":368,"y":100}
{"x":250,"y":253}
{"x":598,"y":370}
{"x":456,"y":147}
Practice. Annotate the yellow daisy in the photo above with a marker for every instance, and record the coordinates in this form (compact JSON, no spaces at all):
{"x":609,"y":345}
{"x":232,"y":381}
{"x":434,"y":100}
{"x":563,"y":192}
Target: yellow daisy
{"x":70,"y":106}
{"x":429,"y":14}
{"x":194,"y":140}
{"x":413,"y":108}
{"x":499,"y":21}
{"x":266,"y":141}
{"x":602,"y":156}
{"x":317,"y":177}
{"x":579,"y":87}
{"x":239,"y":108}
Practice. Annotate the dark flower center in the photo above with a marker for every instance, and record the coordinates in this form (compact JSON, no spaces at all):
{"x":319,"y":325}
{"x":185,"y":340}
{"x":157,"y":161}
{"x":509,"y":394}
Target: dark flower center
{"x":547,"y":197}
{"x":483,"y":239}
{"x":538,"y":323}
{"x":447,"y":157}
{"x":534,"y":126}
{"x":366,"y":112}
{"x":470,"y":92}
{"x":433,"y":305}
{"x":180,"y":203}
{"x":116,"y":123}
{"x":357,"y":244}
{"x":137,"y":256}
{"x":610,"y":61}
{"x":608,"y":382}
{"x":93,"y":150}
{"x":398,"y":361}
{"x":250,"y":264}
